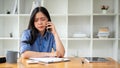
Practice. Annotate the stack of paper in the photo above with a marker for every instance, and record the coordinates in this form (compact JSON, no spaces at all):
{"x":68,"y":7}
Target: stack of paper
{"x":103,"y":32}
{"x":46,"y":60}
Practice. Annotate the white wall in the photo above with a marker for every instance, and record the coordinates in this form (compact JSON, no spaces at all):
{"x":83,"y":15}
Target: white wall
{"x":1,"y":6}
{"x":1,"y":48}
{"x":1,"y":26}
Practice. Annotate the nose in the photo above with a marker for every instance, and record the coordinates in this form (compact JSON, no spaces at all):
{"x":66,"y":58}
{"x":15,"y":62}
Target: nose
{"x":40,"y":22}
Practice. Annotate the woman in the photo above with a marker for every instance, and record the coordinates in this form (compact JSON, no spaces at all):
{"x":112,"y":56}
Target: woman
{"x":41,"y":38}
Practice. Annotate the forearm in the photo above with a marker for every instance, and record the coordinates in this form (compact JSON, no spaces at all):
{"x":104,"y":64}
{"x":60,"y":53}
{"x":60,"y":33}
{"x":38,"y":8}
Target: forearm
{"x":59,"y":46}
{"x":32,"y":54}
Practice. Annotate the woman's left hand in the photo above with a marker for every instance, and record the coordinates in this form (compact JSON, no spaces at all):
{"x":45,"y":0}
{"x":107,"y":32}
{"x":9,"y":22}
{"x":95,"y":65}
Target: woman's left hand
{"x":51,"y":27}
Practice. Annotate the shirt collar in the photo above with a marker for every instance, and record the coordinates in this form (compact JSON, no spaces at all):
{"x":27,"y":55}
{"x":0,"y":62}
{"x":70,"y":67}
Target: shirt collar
{"x":45,"y":35}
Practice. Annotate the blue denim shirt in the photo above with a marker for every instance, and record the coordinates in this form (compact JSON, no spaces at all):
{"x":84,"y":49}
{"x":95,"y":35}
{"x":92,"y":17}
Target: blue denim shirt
{"x":42,"y":43}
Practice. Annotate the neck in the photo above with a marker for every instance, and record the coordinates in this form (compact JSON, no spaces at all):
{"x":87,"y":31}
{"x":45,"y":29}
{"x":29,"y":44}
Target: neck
{"x":42,"y":33}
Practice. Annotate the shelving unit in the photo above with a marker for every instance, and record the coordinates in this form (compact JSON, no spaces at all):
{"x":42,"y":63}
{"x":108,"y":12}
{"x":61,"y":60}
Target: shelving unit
{"x":9,"y":27}
{"x":88,"y":18}
{"x":69,"y":17}
{"x":105,"y":47}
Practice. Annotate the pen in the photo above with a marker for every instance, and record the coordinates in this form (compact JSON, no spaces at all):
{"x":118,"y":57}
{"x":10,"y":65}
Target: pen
{"x":42,"y":63}
{"x":82,"y":62}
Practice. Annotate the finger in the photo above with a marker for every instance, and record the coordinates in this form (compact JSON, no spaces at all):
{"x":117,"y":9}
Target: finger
{"x":49,"y":23}
{"x":58,"y":54}
{"x":49,"y":27}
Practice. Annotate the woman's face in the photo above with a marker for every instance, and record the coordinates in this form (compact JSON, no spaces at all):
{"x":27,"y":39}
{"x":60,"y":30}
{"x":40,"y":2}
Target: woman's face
{"x":40,"y":21}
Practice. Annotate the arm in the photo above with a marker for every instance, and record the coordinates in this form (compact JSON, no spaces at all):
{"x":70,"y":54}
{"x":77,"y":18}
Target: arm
{"x":25,"y":48}
{"x":59,"y":46}
{"x":33,"y":54}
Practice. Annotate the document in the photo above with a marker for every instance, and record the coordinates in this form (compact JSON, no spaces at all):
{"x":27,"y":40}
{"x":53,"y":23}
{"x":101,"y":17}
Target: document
{"x":47,"y":60}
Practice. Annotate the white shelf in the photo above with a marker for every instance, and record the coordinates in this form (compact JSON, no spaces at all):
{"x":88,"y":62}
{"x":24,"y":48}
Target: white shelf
{"x":57,"y":14}
{"x":8,"y":15}
{"x":107,"y":14}
{"x":28,"y":15}
{"x":7,"y":38}
{"x":78,"y":14}
{"x":79,"y":39}
{"x":105,"y":39}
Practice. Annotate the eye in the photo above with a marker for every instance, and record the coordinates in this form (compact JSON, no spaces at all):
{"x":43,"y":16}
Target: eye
{"x":43,"y":19}
{"x":36,"y":19}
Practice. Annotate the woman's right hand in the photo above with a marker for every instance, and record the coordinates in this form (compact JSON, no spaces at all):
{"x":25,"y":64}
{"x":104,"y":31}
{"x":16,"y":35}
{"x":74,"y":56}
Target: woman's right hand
{"x":56,"y":54}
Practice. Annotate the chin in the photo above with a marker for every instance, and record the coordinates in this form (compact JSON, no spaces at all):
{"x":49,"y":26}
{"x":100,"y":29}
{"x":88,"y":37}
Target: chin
{"x":41,"y":29}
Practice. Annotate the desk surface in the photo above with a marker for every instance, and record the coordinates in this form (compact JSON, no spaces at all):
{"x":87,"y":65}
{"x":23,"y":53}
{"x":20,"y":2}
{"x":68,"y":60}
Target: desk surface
{"x":73,"y":63}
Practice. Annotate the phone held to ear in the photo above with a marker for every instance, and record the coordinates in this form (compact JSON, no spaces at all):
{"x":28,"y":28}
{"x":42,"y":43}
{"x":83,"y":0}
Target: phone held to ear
{"x":49,"y":29}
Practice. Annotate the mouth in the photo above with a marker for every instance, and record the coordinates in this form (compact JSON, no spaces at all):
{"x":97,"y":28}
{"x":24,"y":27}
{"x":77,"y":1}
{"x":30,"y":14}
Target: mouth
{"x":40,"y":27}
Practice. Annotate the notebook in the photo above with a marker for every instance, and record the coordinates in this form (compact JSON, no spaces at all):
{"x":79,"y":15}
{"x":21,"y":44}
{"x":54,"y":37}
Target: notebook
{"x":96,"y":59}
{"x":47,"y":60}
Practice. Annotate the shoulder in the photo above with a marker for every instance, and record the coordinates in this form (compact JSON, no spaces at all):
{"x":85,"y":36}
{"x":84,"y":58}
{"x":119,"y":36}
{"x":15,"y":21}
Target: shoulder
{"x":27,"y":31}
{"x":50,"y":35}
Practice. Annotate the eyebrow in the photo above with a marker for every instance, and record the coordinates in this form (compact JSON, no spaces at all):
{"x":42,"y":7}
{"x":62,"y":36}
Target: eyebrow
{"x":41,"y":17}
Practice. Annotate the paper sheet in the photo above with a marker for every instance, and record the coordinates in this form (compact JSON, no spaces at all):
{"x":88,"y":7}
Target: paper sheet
{"x":46,"y":60}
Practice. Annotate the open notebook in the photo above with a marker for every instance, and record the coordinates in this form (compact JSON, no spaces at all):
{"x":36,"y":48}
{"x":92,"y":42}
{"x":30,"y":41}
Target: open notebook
{"x":47,"y":60}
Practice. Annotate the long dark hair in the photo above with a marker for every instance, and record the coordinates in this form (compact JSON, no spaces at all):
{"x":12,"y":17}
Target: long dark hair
{"x":31,"y":27}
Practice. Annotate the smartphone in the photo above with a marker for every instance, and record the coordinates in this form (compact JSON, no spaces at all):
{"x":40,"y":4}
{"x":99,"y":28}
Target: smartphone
{"x":49,"y":29}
